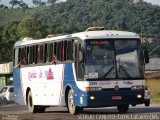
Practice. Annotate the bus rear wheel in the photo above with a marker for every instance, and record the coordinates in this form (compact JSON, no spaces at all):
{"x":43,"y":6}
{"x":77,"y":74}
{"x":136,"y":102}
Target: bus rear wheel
{"x":31,"y":107}
{"x":40,"y":109}
{"x":74,"y":110}
{"x":123,"y":108}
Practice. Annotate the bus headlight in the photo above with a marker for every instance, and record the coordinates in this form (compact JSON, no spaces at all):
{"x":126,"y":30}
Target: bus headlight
{"x":138,"y":87}
{"x":139,"y":96}
{"x":88,"y":89}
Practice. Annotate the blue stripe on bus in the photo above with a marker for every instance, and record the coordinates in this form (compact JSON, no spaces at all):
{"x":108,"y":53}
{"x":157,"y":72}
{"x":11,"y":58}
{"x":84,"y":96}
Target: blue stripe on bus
{"x":102,"y":98}
{"x":69,"y":81}
{"x":18,"y":86}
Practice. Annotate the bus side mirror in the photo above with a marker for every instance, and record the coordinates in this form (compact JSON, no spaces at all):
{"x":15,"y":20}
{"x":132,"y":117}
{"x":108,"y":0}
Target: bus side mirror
{"x":146,"y":56}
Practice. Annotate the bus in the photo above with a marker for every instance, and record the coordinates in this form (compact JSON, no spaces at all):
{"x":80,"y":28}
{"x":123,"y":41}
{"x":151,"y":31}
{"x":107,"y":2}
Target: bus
{"x":94,"y":68}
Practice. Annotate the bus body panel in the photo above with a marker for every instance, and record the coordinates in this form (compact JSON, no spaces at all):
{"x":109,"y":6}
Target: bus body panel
{"x":45,"y":83}
{"x":48,"y":85}
{"x":19,"y":98}
{"x":50,"y":82}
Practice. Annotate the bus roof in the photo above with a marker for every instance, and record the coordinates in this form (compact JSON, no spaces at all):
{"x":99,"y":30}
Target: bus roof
{"x":108,"y":34}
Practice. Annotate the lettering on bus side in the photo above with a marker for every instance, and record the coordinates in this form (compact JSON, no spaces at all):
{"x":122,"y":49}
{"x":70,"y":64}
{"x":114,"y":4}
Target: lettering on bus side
{"x":93,"y":83}
{"x":101,"y":83}
{"x":32,"y":75}
{"x":49,"y":74}
{"x":104,"y":83}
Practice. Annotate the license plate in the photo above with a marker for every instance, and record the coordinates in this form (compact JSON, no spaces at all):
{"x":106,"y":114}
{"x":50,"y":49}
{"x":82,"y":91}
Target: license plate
{"x":116,"y":97}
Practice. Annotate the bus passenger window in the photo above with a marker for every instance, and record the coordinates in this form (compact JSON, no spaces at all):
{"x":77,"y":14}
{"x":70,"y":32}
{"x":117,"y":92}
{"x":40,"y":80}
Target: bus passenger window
{"x":46,"y":57}
{"x":69,"y":53}
{"x":39,"y":53}
{"x":27,"y":55}
{"x":31,"y":55}
{"x":35,"y":54}
{"x":55,"y":50}
{"x":65,"y":50}
{"x":62,"y":51}
{"x":50,"y":52}
{"x":59,"y":48}
{"x":16,"y":56}
{"x":23,"y":60}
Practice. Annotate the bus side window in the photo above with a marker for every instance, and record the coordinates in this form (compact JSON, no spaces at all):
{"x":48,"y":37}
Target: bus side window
{"x":39,"y":53}
{"x":55,"y":51}
{"x":50,"y":52}
{"x":19,"y":56}
{"x":58,"y":52}
{"x":70,"y":50}
{"x":80,"y":65}
{"x":16,"y":56}
{"x":31,"y":55}
{"x":23,"y":60}
{"x":59,"y":47}
{"x":27,"y":55}
{"x":65,"y":50}
{"x":46,"y":56}
{"x":34,"y":54}
{"x":62,"y":51}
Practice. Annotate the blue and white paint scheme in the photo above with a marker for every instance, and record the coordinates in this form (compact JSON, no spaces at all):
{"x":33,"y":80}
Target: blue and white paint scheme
{"x":50,"y":83}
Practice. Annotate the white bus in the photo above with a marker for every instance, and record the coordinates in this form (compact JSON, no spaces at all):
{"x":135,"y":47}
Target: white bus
{"x":95,"y":68}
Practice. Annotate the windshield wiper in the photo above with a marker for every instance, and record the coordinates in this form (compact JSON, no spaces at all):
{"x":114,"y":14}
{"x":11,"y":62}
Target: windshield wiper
{"x":107,"y":73}
{"x":125,"y":71}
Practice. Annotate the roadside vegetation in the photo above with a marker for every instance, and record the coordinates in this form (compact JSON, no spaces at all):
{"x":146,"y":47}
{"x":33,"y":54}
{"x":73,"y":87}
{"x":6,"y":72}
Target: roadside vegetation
{"x":72,"y":16}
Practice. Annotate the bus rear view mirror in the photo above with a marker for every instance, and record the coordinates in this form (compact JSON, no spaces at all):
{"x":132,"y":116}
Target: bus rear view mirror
{"x":146,"y":56}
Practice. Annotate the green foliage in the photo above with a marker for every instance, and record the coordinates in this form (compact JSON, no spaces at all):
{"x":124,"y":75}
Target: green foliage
{"x":10,"y":15}
{"x":139,"y":17}
{"x":77,"y":15}
{"x":10,"y":31}
{"x":6,"y":52}
{"x":30,"y":27}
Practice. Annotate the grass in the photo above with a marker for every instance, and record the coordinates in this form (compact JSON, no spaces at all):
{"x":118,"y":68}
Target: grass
{"x":155,"y":100}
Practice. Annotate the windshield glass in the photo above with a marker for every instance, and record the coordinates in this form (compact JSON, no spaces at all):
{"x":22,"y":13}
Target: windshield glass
{"x":108,"y":59}
{"x":128,"y":58}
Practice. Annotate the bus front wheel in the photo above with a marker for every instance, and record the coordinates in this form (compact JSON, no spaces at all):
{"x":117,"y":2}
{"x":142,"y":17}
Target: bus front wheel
{"x":123,"y":108}
{"x":71,"y":107}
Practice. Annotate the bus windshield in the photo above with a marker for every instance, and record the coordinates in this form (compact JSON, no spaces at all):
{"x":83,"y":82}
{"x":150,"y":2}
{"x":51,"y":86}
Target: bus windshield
{"x":107,"y":59}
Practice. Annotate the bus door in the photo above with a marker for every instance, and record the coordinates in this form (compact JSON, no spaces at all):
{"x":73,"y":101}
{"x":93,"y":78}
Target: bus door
{"x":79,"y":60}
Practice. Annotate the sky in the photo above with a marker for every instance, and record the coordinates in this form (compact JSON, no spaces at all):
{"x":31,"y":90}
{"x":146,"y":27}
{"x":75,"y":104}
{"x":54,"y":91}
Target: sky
{"x":29,"y":2}
{"x":154,"y":2}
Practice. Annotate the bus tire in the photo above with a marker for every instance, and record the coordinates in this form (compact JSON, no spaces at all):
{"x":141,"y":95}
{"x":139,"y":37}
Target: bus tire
{"x":31,"y":107}
{"x":74,"y":110}
{"x":40,"y":109}
{"x":147,"y":103}
{"x":123,"y":108}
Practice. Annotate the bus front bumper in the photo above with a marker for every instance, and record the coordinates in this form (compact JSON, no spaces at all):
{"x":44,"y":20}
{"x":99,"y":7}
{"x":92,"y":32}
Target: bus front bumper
{"x":110,"y":98}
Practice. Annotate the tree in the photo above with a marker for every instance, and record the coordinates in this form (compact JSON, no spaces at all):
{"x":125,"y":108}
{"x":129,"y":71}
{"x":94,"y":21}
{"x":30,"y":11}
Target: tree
{"x":51,"y":1}
{"x":3,"y":6}
{"x":30,"y":27}
{"x":23,"y":5}
{"x":38,"y":3}
{"x":10,"y":32}
{"x":14,"y":2}
{"x":6,"y":52}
